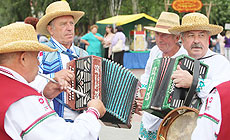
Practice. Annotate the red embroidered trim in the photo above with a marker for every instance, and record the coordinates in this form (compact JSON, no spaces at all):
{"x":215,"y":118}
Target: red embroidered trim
{"x":36,"y":121}
{"x":200,"y":115}
{"x":6,"y":71}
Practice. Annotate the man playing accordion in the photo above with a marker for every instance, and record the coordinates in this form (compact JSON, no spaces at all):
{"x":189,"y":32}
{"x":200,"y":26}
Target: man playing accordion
{"x":166,"y":46}
{"x":195,"y":31}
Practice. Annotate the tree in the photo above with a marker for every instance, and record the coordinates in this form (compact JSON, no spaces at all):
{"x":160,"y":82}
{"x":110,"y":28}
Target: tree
{"x":135,"y":6}
{"x":115,"y":6}
{"x":100,"y":9}
{"x":14,"y":10}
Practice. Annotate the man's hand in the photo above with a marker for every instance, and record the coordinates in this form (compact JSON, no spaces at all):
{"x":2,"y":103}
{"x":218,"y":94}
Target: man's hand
{"x":96,"y":103}
{"x":139,"y":102}
{"x":63,"y":78}
{"x":182,"y":78}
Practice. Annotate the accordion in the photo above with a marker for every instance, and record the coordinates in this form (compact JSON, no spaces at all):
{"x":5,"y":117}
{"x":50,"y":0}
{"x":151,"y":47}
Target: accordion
{"x":161,"y":94}
{"x":99,"y":78}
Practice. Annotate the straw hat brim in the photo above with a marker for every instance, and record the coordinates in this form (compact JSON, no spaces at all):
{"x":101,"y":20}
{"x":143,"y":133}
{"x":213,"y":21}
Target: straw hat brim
{"x":44,"y":21}
{"x":157,"y":29}
{"x":24,"y":45}
{"x":213,"y":29}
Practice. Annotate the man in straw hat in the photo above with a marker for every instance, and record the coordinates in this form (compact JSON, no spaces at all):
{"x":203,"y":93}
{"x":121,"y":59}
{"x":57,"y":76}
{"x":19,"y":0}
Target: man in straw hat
{"x":195,"y":31}
{"x":24,"y":113}
{"x":59,"y":22}
{"x":166,"y":45}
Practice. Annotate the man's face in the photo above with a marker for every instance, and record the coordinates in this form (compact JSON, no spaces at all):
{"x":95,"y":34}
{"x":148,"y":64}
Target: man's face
{"x":165,"y":42}
{"x":196,"y":43}
{"x":62,"y":29}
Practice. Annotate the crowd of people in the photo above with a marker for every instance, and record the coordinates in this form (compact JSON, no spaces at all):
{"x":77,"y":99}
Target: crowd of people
{"x":94,"y":42}
{"x":33,"y":107}
{"x":220,"y":43}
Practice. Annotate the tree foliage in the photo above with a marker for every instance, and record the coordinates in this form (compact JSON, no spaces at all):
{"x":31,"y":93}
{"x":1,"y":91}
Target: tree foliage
{"x":13,"y":10}
{"x":17,"y":10}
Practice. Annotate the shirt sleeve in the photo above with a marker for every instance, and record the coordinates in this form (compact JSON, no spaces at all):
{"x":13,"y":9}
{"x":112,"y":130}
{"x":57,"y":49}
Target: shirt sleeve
{"x":115,"y":40}
{"x":32,"y":118}
{"x":218,"y":73}
{"x":85,"y":37}
{"x":209,"y":120}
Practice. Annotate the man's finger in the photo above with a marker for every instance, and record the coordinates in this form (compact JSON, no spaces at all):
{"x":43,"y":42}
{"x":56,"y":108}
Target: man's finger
{"x":178,"y":67}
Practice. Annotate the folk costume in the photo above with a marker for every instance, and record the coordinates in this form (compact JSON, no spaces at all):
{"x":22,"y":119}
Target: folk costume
{"x":25,"y":113}
{"x":218,"y":64}
{"x":212,"y":122}
{"x":52,"y":62}
{"x":151,"y":123}
{"x":218,"y":72}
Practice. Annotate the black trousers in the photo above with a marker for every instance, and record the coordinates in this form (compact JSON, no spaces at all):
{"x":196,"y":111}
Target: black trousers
{"x":106,"y":53}
{"x":118,"y":57}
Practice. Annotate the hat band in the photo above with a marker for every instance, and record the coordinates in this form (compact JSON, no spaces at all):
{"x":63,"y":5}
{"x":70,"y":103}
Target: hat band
{"x":163,"y":26}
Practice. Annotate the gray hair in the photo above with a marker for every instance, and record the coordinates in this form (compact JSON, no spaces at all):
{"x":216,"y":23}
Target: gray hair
{"x":6,"y":57}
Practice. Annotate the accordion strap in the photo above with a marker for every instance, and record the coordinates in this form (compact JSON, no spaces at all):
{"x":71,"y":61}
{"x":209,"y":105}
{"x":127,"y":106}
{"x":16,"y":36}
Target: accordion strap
{"x":192,"y":89}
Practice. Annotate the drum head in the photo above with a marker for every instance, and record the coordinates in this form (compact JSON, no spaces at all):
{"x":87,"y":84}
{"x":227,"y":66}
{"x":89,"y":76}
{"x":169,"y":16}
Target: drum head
{"x":178,"y":124}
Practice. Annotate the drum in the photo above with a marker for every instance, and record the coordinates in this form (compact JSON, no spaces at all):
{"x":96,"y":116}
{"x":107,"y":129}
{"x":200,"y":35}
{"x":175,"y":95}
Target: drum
{"x":178,"y":124}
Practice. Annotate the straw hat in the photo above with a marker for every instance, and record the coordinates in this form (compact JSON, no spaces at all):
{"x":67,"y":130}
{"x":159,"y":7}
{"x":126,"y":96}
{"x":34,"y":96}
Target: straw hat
{"x":56,"y":9}
{"x":196,"y":21}
{"x":20,"y":37}
{"x":164,"y":22}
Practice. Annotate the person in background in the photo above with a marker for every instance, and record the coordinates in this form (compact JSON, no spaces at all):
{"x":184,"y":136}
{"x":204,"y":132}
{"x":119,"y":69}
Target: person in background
{"x":118,"y":56}
{"x":166,"y":46}
{"x":58,"y":22}
{"x":25,"y":113}
{"x":108,"y":37}
{"x":77,"y":38}
{"x":151,"y":40}
{"x":227,"y":45}
{"x":215,"y":44}
{"x":220,"y":39}
{"x":93,"y":41}
{"x":43,"y":39}
{"x":33,"y":21}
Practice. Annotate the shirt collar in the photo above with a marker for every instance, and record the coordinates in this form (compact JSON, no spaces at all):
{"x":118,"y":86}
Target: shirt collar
{"x":59,"y":46}
{"x":208,"y":53}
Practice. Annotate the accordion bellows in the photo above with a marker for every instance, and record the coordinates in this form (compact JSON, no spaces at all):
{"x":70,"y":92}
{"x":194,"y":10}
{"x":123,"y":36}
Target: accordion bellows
{"x":162,"y":96}
{"x":100,"y":78}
